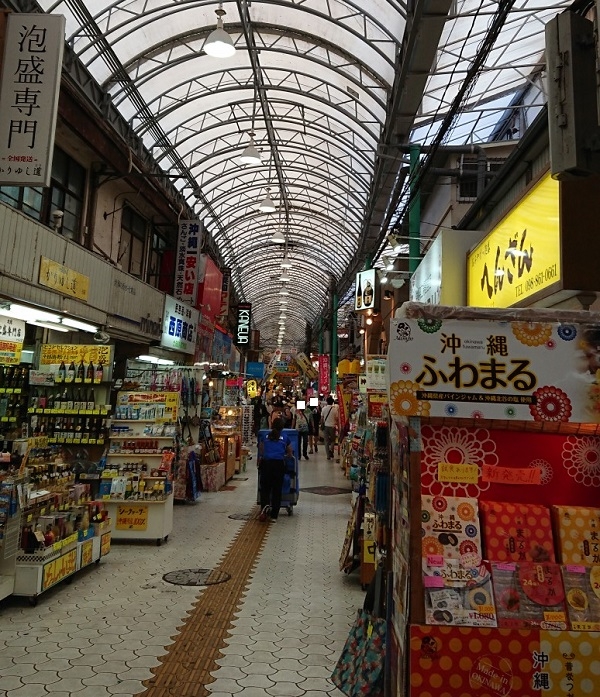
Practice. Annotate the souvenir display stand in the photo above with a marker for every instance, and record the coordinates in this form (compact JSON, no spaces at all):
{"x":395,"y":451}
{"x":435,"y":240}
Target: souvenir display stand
{"x":228,"y":440}
{"x":136,"y":485}
{"x":495,"y":506}
{"x":10,"y":529}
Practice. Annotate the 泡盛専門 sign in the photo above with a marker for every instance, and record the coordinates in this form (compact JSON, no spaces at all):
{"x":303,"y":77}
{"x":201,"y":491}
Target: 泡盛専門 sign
{"x":31,"y":71}
{"x":527,"y":371}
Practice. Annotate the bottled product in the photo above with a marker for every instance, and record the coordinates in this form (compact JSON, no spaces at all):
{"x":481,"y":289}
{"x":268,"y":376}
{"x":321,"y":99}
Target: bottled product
{"x":99,"y":375}
{"x":34,"y":399}
{"x":62,"y":373}
{"x":43,"y":400}
{"x":359,"y":295}
{"x":80,"y":374}
{"x":89,"y":374}
{"x":50,"y":401}
{"x":70,"y":399}
{"x":368,"y":295}
{"x":2,"y":375}
{"x":91,"y":400}
{"x":9,"y":376}
{"x":70,"y":376}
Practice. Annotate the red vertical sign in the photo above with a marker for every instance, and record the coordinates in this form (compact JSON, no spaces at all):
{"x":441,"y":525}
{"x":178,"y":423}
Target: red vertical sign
{"x":324,"y":374}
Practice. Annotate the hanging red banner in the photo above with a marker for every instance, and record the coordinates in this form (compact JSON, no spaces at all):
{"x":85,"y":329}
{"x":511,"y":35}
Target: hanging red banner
{"x":324,"y":372}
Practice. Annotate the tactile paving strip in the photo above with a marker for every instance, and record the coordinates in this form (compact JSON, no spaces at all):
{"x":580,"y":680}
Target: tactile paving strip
{"x":185,"y":670}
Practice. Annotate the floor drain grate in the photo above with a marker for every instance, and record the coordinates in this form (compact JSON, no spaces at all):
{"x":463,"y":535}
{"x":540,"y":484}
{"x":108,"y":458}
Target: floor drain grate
{"x":241,"y":516}
{"x":196,"y":577}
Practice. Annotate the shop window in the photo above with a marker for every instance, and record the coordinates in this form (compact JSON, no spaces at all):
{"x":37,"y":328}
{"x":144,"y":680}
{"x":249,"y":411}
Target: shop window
{"x":66,"y":193}
{"x":131,"y":245}
{"x":467,"y":180}
{"x":159,"y":246}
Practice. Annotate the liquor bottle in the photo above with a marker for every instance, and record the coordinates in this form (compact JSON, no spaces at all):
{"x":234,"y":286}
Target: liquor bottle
{"x":89,"y":373}
{"x":70,"y":376}
{"x":79,"y":402}
{"x":78,"y":428}
{"x":9,"y":377}
{"x":51,"y":401}
{"x":359,"y":295}
{"x":62,"y":373}
{"x":58,"y":428}
{"x":368,"y":295}
{"x":43,"y":400}
{"x":21,"y":377}
{"x":34,"y":398}
{"x":70,"y":399}
{"x":91,"y":400}
{"x":80,"y":374}
{"x":99,"y":374}
{"x":2,"y":376}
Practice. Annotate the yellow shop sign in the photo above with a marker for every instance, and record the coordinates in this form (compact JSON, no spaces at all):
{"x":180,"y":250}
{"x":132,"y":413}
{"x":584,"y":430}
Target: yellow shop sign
{"x":63,"y":279}
{"x":521,"y":255}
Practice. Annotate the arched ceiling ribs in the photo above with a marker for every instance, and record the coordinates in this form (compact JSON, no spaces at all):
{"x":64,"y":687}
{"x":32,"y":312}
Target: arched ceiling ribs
{"x":170,"y":110}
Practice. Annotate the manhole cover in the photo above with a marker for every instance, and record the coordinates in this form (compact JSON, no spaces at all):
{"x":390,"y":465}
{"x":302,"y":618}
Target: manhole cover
{"x":196,"y":577}
{"x":326,"y":490}
{"x":240,"y":516}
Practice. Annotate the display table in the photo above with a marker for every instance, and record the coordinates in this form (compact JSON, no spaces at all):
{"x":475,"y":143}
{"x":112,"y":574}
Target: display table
{"x":141,"y":520}
{"x":36,"y":573}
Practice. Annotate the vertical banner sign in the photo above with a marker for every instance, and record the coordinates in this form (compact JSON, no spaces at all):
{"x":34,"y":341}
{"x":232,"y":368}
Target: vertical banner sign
{"x":180,"y":325}
{"x":33,"y":50}
{"x":243,"y":329}
{"x":226,"y":284}
{"x":324,"y":372}
{"x":187,"y":273}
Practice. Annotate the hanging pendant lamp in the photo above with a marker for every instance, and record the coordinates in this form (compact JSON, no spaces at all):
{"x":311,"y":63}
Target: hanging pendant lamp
{"x":218,"y":43}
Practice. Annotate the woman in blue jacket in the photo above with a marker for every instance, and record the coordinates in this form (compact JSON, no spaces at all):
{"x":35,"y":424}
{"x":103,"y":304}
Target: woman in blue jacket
{"x":271,"y":452}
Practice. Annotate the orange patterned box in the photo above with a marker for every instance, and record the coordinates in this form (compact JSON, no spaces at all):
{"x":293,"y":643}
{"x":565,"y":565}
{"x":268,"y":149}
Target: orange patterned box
{"x":582,"y":591}
{"x":517,"y":532}
{"x":578,"y":534}
{"x":450,"y":529}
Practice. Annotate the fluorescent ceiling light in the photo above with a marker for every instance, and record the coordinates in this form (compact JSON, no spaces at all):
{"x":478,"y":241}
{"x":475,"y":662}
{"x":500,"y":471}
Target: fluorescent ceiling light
{"x":76,"y":324}
{"x":278,"y":238}
{"x":48,"y":325}
{"x":251,"y":156}
{"x":28,"y":314}
{"x":286,"y":263}
{"x":218,"y":43}
{"x":267,"y":205}
{"x":154,"y":359}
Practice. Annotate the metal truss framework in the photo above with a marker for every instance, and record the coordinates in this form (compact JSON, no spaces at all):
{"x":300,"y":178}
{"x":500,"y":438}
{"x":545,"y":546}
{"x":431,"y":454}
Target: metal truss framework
{"x":331,"y":88}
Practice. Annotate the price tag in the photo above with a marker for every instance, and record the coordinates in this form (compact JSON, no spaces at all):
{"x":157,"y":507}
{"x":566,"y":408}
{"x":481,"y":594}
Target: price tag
{"x":486,"y":609}
{"x":30,"y":517}
{"x":43,"y":511}
{"x":555,"y":616}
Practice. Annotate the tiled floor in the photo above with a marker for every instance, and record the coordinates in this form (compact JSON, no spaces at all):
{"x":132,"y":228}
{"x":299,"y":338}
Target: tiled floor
{"x":101,"y":635}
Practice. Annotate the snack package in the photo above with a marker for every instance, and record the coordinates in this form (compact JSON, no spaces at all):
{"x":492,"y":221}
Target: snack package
{"x":578,"y":534}
{"x":458,"y":596}
{"x":582,"y":593}
{"x":528,"y":594}
{"x":517,"y":532}
{"x":450,"y":527}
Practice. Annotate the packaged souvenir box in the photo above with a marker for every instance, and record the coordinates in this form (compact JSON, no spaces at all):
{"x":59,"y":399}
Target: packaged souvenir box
{"x":529,"y":594}
{"x":517,"y":532}
{"x":582,"y":593}
{"x":450,"y":528}
{"x":578,"y":534}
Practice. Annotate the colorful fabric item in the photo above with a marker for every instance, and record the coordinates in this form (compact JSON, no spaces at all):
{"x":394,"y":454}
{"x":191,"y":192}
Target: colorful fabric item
{"x":359,"y":670}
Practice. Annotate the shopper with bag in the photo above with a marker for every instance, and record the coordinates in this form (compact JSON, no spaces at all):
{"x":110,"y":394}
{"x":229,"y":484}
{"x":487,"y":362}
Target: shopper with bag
{"x":272,"y":452}
{"x":330,"y":418}
{"x":302,"y":425}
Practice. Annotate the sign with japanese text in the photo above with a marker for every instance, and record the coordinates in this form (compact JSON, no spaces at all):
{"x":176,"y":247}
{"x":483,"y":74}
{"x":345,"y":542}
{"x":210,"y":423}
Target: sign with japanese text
{"x":511,"y":475}
{"x":375,"y":403}
{"x":105,"y":544}
{"x":53,"y":356}
{"x":31,"y":71}
{"x":133,"y":516}
{"x":225,"y":291}
{"x":58,"y":569}
{"x":187,"y":272}
{"x":63,"y":279}
{"x":221,"y":347}
{"x":527,"y":371}
{"x":306,"y":366}
{"x":87,"y":553}
{"x":324,"y":374}
{"x":161,"y":407}
{"x":243,"y":330}
{"x":458,"y":473}
{"x":180,"y":325}
{"x":521,"y":255}
{"x":12,"y":334}
{"x":376,"y":373}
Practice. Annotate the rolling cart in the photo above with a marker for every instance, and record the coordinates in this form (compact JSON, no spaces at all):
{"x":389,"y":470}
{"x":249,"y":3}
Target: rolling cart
{"x":291,"y":480}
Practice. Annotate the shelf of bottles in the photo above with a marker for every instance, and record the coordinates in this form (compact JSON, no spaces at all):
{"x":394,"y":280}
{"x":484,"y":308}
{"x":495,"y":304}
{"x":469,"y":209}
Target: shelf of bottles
{"x":14,"y":382}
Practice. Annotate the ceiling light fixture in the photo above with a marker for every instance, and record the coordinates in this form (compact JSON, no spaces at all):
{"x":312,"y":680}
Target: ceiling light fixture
{"x":286,"y":263}
{"x":383,"y":276}
{"x":369,"y":320}
{"x":28,"y":314}
{"x":267,"y":205}
{"x":76,"y":324}
{"x":278,"y":238}
{"x":388,"y":263}
{"x":284,"y":291}
{"x":148,"y":358}
{"x":49,"y":325}
{"x":285,"y":277}
{"x":218,"y":43}
{"x":282,"y":316}
{"x":251,"y":156}
{"x":395,"y":244}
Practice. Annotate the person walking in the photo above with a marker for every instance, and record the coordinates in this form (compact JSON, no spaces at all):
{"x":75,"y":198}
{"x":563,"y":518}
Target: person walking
{"x":302,"y":425}
{"x":330,"y":418}
{"x":313,"y":433}
{"x":271,"y":452}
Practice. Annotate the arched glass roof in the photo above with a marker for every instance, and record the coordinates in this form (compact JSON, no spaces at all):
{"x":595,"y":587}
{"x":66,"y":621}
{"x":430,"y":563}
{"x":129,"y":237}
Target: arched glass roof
{"x":329,"y":88}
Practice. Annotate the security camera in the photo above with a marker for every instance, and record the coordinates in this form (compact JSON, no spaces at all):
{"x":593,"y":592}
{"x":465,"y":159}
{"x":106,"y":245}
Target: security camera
{"x":57,"y":218}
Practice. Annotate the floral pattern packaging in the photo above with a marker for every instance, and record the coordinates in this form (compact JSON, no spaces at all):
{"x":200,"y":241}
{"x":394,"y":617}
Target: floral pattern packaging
{"x":517,"y":532}
{"x":582,"y":592}
{"x":529,"y":595}
{"x":456,"y":583}
{"x":578,"y":534}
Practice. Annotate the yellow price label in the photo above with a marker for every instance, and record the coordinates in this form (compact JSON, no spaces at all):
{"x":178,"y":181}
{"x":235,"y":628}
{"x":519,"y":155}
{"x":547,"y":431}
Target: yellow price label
{"x":486,"y":609}
{"x":555,"y":616}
